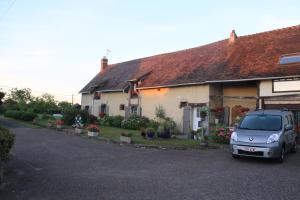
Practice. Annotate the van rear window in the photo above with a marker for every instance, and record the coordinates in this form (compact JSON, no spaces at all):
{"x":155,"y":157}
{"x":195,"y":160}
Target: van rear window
{"x":261,"y":122}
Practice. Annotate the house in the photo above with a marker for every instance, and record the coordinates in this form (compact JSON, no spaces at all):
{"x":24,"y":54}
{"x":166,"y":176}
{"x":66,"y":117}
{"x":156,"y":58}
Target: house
{"x":253,"y":71}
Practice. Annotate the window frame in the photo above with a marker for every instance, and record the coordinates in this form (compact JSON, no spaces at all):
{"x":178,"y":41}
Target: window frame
{"x":284,"y":80}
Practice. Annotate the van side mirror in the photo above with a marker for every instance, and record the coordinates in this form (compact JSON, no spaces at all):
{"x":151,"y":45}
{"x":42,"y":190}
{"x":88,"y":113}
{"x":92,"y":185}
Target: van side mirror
{"x":288,"y":127}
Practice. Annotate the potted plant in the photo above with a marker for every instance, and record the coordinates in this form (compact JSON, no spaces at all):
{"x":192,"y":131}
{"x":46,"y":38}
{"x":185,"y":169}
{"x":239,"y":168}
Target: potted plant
{"x":93,"y":130}
{"x":59,"y":123}
{"x":203,"y":112}
{"x":150,"y":133}
{"x":125,"y":138}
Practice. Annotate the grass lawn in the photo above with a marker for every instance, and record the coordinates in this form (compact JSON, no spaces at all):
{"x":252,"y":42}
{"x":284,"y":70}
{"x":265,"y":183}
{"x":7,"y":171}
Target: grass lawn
{"x":114,"y":134}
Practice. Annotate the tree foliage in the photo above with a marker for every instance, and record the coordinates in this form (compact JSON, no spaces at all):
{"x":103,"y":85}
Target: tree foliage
{"x":1,"y":97}
{"x":20,"y":95}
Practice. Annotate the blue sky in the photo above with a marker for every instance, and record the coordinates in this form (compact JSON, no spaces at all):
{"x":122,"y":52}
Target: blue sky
{"x":56,"y":46}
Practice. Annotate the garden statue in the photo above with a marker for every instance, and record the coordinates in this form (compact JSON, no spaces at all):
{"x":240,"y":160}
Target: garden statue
{"x":78,"y":122}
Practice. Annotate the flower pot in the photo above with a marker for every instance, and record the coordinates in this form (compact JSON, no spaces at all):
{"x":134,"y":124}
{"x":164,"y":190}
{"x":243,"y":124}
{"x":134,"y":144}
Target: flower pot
{"x":92,"y":134}
{"x":125,"y":139}
{"x":49,"y":124}
{"x":78,"y":130}
{"x":150,"y":135}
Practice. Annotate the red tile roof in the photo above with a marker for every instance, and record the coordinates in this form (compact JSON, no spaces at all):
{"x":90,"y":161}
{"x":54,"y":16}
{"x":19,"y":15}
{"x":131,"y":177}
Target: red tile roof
{"x":248,"y":57}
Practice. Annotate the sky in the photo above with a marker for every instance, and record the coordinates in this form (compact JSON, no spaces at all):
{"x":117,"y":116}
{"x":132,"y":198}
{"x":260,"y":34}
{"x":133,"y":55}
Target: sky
{"x":56,"y":46}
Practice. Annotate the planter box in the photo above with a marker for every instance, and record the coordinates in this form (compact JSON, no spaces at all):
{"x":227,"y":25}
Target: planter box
{"x":125,"y":139}
{"x":78,"y":130}
{"x":58,"y":126}
{"x":92,"y":134}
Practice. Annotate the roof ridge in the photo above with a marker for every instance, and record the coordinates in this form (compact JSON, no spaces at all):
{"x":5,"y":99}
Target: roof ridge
{"x":270,"y":31}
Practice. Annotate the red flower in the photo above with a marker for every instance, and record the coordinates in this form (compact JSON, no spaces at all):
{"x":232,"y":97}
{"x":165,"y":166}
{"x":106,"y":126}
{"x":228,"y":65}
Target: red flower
{"x":93,"y":128}
{"x":102,"y":114}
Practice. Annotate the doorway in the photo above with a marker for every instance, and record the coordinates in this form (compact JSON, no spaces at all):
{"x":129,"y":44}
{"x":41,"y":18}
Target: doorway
{"x":196,"y":118}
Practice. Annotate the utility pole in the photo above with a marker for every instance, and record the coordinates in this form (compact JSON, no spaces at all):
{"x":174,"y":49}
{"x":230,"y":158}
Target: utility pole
{"x":72,"y":99}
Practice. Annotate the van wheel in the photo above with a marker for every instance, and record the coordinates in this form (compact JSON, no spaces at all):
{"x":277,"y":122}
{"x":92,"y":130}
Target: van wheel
{"x":294,"y":148}
{"x":280,"y":159}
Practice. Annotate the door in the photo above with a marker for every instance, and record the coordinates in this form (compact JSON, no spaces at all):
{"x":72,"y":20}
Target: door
{"x":187,"y":120}
{"x":196,"y":118}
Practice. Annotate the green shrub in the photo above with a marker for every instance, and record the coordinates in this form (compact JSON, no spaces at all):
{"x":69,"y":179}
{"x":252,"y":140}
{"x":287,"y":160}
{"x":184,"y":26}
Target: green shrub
{"x":135,"y":122}
{"x":6,"y":143}
{"x":116,"y":121}
{"x":21,"y":115}
{"x":27,"y":116}
{"x":12,"y":113}
{"x":153,"y":124}
{"x":91,"y":119}
{"x":69,"y":115}
{"x":166,"y":128}
{"x":46,"y":117}
{"x":160,"y":112}
{"x":106,"y":120}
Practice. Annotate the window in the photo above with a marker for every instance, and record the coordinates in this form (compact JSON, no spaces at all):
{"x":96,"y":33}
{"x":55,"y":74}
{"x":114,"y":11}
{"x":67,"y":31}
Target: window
{"x":134,"y":110}
{"x":262,"y":122}
{"x":86,"y":108}
{"x":97,"y":95}
{"x":103,"y":108}
{"x":289,"y":59}
{"x":286,"y":85}
{"x":198,"y":113}
{"x":122,"y":106}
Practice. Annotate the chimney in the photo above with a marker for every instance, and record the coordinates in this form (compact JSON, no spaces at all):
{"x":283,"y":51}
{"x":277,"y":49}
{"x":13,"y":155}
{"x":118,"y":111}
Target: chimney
{"x":104,"y":63}
{"x":233,"y":36}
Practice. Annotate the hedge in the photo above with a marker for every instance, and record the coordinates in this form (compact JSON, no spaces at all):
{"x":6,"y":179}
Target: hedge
{"x":22,"y":115}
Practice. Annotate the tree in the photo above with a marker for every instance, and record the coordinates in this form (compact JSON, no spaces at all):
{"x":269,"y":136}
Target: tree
{"x":1,"y":97}
{"x":63,"y":105}
{"x":44,"y":104}
{"x":22,"y":96}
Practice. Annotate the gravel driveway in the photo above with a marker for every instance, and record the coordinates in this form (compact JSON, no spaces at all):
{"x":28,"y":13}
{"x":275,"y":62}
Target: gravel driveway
{"x":49,"y":164}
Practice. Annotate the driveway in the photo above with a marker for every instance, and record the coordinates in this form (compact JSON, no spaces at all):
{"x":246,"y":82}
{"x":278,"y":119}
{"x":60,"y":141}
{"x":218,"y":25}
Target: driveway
{"x":49,"y":164}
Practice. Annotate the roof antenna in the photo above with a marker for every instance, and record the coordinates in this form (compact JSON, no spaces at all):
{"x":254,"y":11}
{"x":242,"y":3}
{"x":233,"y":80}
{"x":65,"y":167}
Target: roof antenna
{"x":108,"y":51}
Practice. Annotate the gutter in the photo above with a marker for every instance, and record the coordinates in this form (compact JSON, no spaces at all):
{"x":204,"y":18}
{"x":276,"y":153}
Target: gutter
{"x":217,"y":81}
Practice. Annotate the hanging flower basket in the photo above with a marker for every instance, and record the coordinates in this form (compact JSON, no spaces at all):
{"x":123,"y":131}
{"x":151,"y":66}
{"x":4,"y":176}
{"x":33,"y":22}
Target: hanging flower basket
{"x":203,"y":112}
